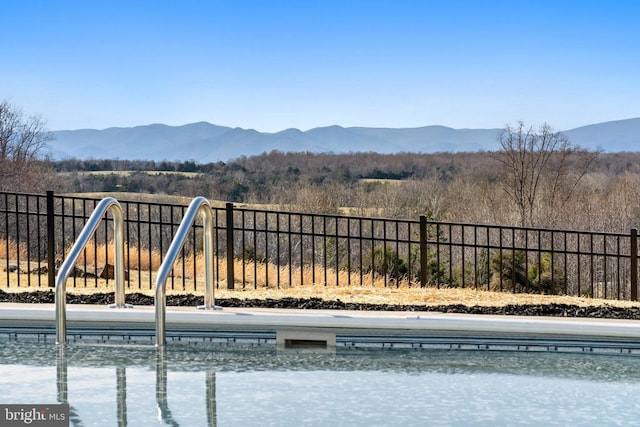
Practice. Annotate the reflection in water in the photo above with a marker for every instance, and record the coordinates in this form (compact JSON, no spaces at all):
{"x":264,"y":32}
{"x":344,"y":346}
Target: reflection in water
{"x":121,"y":392}
{"x":256,"y":385}
{"x":62,"y":384}
{"x":164,"y":413}
{"x":61,"y":374}
{"x":211,"y":399}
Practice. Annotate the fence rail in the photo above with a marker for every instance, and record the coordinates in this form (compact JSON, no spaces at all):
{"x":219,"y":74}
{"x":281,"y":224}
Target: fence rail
{"x":261,"y":248}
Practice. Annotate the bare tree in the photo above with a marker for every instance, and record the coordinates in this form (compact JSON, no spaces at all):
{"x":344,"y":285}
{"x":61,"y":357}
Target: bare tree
{"x":23,"y":140}
{"x":540,"y":170}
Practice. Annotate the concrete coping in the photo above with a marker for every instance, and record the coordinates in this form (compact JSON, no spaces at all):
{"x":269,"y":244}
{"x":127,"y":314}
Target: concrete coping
{"x":329,"y":320}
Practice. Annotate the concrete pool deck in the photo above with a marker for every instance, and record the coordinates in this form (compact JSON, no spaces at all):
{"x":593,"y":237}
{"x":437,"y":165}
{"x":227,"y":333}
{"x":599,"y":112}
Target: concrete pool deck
{"x":384,"y":328}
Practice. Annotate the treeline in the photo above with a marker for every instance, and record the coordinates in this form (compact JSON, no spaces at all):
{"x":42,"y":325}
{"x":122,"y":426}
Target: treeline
{"x":270,"y":178}
{"x":318,"y":167}
{"x":457,"y":187}
{"x":96,"y":165}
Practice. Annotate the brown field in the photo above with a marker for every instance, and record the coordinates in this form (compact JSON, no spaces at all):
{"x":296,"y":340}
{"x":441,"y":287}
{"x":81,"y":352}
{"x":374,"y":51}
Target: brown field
{"x":141,"y":197}
{"x":167,"y":198}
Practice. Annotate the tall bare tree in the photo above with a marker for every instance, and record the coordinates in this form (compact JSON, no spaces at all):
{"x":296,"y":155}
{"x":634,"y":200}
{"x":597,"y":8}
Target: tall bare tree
{"x":540,"y":170}
{"x":23,"y":140}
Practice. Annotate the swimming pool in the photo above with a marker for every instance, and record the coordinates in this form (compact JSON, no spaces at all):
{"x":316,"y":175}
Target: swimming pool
{"x":246,"y":385}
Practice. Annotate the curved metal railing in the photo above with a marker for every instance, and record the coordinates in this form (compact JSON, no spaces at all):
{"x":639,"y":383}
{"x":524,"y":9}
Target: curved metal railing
{"x":202,"y":205}
{"x":108,"y":203}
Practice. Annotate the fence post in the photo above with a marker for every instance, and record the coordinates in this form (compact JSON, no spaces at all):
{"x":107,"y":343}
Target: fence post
{"x":423,"y":251}
{"x":634,"y":264}
{"x":230,"y":275}
{"x":51,"y":247}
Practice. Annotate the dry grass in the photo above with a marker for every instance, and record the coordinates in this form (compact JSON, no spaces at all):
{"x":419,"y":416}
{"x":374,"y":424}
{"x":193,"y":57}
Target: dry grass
{"x":350,"y":294}
{"x":305,"y":283}
{"x":138,"y":259}
{"x":12,"y":250}
{"x":415,"y":296}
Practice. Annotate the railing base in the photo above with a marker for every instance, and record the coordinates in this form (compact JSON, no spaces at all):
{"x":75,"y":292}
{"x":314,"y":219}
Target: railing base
{"x":120,"y":306}
{"x":209,"y":307}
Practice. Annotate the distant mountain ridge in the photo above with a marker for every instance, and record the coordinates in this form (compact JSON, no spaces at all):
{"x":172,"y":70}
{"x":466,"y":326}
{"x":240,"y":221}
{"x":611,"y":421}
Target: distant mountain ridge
{"x":205,"y":142}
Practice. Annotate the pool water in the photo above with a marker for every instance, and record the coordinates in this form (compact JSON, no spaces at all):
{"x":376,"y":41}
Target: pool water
{"x":186,"y":385}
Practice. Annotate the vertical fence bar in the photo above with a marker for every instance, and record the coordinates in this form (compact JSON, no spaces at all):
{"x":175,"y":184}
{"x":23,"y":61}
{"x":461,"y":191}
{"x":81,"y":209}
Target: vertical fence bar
{"x":39,"y":237}
{"x":462,"y":253}
{"x":289,"y":254}
{"x":618,"y":265}
{"x":278,"y":250}
{"x":591,"y":267}
{"x":438,"y":255}
{"x":396,"y":261}
{"x":634,"y":264}
{"x":95,"y":246}
{"x":28,"y":223}
{"x":51,"y":249}
{"x":579,"y":255}
{"x":604,"y":259}
{"x":244,"y":250}
{"x":150,"y":246}
{"x":514,"y":280}
{"x":337,"y":239}
{"x":324,"y":248}
{"x":475,"y":256}
{"x":266,"y":249}
{"x":230,"y":277}
{"x":385,"y":266}
{"x":301,"y":251}
{"x":255,"y":249}
{"x":6,"y":240}
{"x":423,"y":251}
{"x":349,"y":251}
{"x":488,"y":258}
{"x":566,"y":280}
{"x":17,"y":216}
{"x":553,"y":257}
{"x":360,"y":244}
{"x":313,"y":250}
{"x":139,"y":251}
{"x":450,"y":255}
{"x":182,"y":256}
{"x":501,"y":257}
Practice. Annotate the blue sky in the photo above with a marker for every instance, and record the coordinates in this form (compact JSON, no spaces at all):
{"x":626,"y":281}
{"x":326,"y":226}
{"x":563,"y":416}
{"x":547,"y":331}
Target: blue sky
{"x":274,"y":64}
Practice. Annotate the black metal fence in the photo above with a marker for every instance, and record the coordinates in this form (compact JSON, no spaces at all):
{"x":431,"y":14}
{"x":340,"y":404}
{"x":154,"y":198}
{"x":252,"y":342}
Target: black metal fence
{"x":263,"y":248}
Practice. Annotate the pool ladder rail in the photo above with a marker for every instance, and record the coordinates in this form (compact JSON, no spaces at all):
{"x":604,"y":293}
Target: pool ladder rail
{"x":109,"y":204}
{"x":201,"y":205}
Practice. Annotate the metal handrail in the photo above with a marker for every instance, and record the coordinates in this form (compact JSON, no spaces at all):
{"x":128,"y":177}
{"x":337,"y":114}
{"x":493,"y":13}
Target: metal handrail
{"x":108,"y":203}
{"x":202,"y":205}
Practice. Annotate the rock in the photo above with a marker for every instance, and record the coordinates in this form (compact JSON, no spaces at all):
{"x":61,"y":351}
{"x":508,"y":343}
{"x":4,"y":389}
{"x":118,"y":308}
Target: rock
{"x":40,"y":270}
{"x":109,"y":272}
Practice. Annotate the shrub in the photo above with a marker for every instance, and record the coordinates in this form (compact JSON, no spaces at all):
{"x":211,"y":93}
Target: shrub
{"x":385,"y":261}
{"x":509,"y":272}
{"x":545,"y":278}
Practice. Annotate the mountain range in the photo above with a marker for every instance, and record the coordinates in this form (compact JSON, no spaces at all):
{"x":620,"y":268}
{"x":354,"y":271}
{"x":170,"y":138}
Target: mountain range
{"x":205,"y":142}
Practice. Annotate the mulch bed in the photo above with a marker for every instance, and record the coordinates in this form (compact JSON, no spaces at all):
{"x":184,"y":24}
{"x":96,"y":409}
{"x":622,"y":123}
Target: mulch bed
{"x":554,"y":310}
